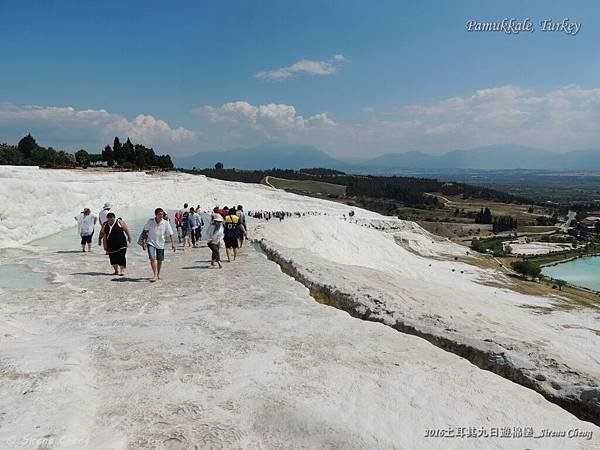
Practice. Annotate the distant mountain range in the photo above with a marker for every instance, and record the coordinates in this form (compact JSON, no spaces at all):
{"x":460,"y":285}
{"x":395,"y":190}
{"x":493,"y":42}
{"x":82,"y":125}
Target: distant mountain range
{"x":492,"y":157}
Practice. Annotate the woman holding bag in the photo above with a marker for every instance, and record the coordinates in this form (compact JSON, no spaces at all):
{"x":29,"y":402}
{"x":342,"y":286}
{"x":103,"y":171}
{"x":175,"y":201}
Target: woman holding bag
{"x":115,"y":236}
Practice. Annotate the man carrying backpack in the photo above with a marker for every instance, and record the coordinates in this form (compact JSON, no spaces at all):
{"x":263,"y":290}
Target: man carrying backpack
{"x":231,"y":234}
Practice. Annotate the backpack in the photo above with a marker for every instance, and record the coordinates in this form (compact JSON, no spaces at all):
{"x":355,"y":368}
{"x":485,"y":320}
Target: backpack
{"x":231,"y":226}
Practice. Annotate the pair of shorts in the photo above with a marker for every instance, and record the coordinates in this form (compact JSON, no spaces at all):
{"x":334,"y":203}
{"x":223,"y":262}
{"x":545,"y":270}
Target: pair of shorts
{"x":231,"y":242}
{"x":216,"y":255}
{"x":86,"y":239}
{"x":156,"y":253}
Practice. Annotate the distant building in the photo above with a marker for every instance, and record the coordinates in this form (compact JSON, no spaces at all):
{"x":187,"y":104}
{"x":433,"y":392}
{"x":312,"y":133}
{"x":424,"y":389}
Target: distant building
{"x":588,"y":224}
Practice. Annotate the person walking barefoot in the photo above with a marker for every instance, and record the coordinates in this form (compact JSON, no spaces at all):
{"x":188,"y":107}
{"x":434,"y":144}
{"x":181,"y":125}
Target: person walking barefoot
{"x":86,"y":222}
{"x":242,"y":230}
{"x":231,"y":234}
{"x":102,"y":217}
{"x":215,"y":235}
{"x":193,"y":224}
{"x":115,"y":235}
{"x":155,"y":231}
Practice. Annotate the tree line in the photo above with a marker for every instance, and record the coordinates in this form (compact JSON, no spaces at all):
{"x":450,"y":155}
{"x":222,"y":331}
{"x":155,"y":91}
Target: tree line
{"x":134,"y":156}
{"x":28,"y":153}
{"x":410,"y":191}
{"x":504,"y":223}
{"x":501,"y":223}
{"x":128,"y":156}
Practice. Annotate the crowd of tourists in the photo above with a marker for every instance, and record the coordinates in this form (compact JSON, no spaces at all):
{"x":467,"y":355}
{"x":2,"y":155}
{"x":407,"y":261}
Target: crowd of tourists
{"x":268,"y":215}
{"x":227,"y":228}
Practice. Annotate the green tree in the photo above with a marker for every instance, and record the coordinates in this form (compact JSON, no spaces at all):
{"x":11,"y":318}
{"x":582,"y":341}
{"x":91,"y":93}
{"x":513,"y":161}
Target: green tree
{"x":42,"y":156}
{"x":27,"y":145}
{"x":108,"y":156}
{"x":219,"y":166}
{"x":82,"y":157}
{"x":10,"y":155}
{"x":128,"y":152}
{"x":487,"y":216}
{"x":95,"y":158}
{"x":476,"y":245}
{"x":164,"y":162}
{"x":118,"y":151}
{"x":63,"y":158}
{"x":520,"y":267}
{"x":479,"y":216}
{"x":527,"y":269}
{"x":140,"y":160}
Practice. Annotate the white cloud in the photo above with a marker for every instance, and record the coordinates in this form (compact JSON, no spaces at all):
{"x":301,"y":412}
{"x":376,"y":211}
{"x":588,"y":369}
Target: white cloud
{"x":563,"y":118}
{"x":321,"y":120}
{"x":304,"y":66}
{"x":242,"y":124}
{"x":90,"y":126}
{"x":149,"y":129}
{"x":269,"y":117}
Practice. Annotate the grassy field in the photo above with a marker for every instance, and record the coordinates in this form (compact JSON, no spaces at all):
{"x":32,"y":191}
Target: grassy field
{"x":569,"y":297}
{"x":541,"y":260}
{"x":538,"y":185}
{"x":442,"y":216}
{"x":498,"y":209}
{"x":308,"y":186}
{"x":536,"y":229}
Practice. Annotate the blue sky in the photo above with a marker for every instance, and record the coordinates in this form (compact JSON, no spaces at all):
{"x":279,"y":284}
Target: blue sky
{"x":353,"y":78}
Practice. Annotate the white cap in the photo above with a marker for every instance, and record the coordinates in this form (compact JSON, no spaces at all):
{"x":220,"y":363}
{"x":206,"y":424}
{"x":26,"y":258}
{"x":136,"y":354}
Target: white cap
{"x":107,"y":205}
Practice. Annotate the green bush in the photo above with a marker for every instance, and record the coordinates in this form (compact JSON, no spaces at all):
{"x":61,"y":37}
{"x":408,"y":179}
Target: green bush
{"x":527,"y":269}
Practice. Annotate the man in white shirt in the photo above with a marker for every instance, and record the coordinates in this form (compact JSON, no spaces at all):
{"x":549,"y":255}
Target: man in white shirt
{"x":102,"y":216}
{"x":155,"y":232}
{"x":86,"y":222}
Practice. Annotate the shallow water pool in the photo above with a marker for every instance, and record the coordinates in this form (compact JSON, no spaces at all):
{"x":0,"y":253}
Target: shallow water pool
{"x":69,"y":240}
{"x":583,"y":272}
{"x":19,"y":276}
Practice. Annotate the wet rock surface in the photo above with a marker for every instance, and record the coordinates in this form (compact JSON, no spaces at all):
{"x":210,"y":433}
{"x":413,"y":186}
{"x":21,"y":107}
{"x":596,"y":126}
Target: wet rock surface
{"x":375,"y":296}
{"x":241,"y":357}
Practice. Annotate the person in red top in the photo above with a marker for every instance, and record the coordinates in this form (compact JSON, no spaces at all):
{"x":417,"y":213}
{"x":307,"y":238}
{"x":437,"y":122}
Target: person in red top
{"x":178,"y":225}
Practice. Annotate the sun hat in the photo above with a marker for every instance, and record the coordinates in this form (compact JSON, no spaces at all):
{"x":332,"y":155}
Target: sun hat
{"x":107,"y":205}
